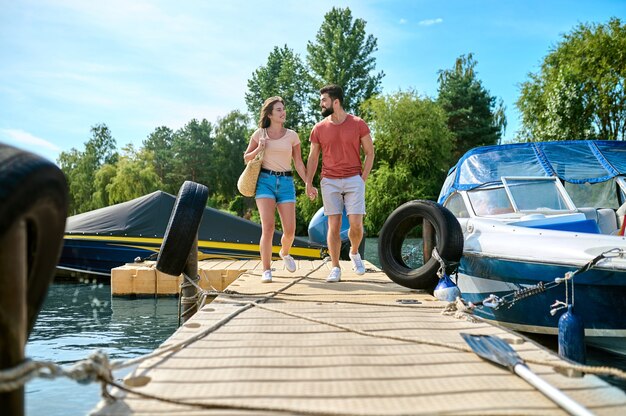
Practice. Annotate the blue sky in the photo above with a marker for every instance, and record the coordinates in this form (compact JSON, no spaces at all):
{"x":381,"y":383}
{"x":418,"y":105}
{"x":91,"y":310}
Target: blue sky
{"x":134,"y":65}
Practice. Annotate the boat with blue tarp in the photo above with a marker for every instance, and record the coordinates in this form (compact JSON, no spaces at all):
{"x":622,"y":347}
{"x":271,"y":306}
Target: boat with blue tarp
{"x":542,"y":231}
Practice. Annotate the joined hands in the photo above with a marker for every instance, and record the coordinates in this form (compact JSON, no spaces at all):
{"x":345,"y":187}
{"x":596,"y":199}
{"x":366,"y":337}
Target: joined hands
{"x":311,"y":192}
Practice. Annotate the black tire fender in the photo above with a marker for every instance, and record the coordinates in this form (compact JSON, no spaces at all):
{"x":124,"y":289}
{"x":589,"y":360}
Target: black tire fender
{"x":34,"y":189}
{"x":448,"y":235}
{"x":182,"y":228}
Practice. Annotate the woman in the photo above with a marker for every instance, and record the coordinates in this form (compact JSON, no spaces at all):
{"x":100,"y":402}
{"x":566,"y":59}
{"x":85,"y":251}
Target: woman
{"x":275,"y":188}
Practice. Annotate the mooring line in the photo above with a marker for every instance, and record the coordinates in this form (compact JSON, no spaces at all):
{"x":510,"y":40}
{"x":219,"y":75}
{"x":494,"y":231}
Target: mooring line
{"x":97,"y":366}
{"x":598,"y":370}
{"x":212,"y":328}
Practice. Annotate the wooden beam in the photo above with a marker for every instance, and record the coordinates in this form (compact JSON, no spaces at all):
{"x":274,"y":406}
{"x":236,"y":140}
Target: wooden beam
{"x":13,"y":310}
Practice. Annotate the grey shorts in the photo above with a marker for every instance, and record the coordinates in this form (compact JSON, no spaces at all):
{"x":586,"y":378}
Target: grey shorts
{"x":344,"y":192}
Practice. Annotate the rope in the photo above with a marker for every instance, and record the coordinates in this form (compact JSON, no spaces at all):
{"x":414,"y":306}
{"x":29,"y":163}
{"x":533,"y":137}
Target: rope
{"x":188,"y":304}
{"x":598,"y":370}
{"x":95,"y":368}
{"x":444,"y":265}
{"x":98,"y":368}
{"x":239,"y":406}
{"x":348,"y":302}
{"x":463,"y":348}
{"x":150,"y":257}
{"x":460,"y":313}
{"x":495,"y":302}
{"x":212,"y":328}
{"x":367,"y":334}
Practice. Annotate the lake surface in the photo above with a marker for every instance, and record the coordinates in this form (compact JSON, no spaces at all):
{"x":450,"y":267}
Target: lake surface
{"x":79,"y":318}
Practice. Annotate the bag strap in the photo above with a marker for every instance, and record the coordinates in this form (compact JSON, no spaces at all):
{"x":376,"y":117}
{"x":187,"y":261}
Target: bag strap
{"x":259,"y":155}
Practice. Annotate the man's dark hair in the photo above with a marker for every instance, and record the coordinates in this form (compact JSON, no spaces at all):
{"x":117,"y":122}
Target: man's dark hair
{"x":334,"y":91}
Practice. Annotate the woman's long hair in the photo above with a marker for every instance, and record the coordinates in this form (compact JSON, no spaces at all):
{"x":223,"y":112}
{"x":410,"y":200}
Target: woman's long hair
{"x":266,"y":110}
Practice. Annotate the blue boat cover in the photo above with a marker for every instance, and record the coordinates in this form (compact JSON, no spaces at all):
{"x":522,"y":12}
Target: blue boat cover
{"x":574,"y":161}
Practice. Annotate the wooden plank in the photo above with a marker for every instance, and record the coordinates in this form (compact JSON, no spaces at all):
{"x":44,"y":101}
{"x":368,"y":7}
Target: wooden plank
{"x":342,"y":348}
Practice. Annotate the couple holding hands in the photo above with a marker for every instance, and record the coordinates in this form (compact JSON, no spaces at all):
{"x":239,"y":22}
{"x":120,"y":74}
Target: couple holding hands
{"x":339,"y":137}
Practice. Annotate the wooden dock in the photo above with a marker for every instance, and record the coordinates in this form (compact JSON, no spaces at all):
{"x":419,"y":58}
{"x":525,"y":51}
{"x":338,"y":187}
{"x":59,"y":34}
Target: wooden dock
{"x":363,"y":346}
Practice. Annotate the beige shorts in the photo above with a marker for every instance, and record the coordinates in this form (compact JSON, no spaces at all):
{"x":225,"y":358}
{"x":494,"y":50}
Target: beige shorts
{"x":344,"y":192}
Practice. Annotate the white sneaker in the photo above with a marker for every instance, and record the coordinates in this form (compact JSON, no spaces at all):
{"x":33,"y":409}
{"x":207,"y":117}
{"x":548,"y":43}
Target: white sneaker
{"x":290,"y":263}
{"x":334,"y":276}
{"x":357,"y":264}
{"x":267,"y":277}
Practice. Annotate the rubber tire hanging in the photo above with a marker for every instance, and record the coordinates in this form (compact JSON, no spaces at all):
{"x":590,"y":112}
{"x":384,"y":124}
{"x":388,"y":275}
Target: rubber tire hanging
{"x":34,"y":190}
{"x":448,"y":235}
{"x":182,"y":228}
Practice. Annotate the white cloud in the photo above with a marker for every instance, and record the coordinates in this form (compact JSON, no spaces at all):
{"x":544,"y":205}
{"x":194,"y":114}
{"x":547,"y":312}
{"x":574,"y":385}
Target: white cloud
{"x":403,"y":21}
{"x":430,"y":22}
{"x":24,"y":138}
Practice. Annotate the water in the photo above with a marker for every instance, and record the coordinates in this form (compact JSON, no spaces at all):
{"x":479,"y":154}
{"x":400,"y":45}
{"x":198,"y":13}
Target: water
{"x":80,"y":318}
{"x":371,"y":251}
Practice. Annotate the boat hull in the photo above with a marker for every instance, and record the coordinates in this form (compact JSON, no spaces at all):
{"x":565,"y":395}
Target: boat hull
{"x":599,"y":297}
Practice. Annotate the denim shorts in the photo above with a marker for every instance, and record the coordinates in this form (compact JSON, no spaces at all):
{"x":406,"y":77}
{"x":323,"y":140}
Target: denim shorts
{"x":279,"y":188}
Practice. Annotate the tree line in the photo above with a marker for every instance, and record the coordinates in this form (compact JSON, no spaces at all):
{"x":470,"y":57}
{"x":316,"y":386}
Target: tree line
{"x":577,"y":94}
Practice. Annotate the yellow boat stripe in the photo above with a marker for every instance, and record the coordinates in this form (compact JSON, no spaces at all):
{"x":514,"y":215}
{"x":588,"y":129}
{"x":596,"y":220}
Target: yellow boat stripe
{"x":296,"y":251}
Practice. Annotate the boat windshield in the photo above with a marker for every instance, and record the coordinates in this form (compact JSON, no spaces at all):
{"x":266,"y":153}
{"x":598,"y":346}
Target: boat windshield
{"x":490,"y":201}
{"x":521,"y":195}
{"x":599,"y":195}
{"x":538,"y":195}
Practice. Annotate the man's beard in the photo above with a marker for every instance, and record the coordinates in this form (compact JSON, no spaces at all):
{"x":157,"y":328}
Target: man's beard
{"x":327,"y":111}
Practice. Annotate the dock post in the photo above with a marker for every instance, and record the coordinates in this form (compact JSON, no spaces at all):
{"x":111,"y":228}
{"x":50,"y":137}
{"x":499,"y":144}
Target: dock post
{"x":13,"y":310}
{"x":428,"y":239}
{"x":189,"y":292}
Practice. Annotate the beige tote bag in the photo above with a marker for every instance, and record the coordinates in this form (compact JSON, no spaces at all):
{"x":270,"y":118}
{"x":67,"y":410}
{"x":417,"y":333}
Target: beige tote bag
{"x":246,"y":184}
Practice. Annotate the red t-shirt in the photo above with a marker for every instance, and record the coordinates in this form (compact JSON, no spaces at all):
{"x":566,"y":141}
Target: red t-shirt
{"x":341,"y":146}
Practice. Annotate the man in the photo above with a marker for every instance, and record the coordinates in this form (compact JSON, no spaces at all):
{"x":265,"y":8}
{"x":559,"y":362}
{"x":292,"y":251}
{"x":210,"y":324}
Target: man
{"x":340,"y":137}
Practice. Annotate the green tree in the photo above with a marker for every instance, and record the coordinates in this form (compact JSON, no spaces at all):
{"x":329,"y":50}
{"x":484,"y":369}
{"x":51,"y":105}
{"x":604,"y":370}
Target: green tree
{"x":388,"y":188}
{"x":70,"y":163}
{"x":80,"y":168}
{"x":104,"y":176}
{"x":579,"y":91}
{"x":413,"y":146}
{"x":231,"y":139}
{"x":192,"y":148}
{"x":474,"y":117}
{"x":135,"y":176}
{"x":343,"y":54}
{"x":160,"y":143}
{"x":283,"y":75}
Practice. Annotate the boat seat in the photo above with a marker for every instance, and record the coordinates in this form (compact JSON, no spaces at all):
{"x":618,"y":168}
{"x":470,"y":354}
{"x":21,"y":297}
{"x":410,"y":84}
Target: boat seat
{"x":607,"y":220}
{"x":604,"y":217}
{"x":621,"y":216}
{"x":576,"y":222}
